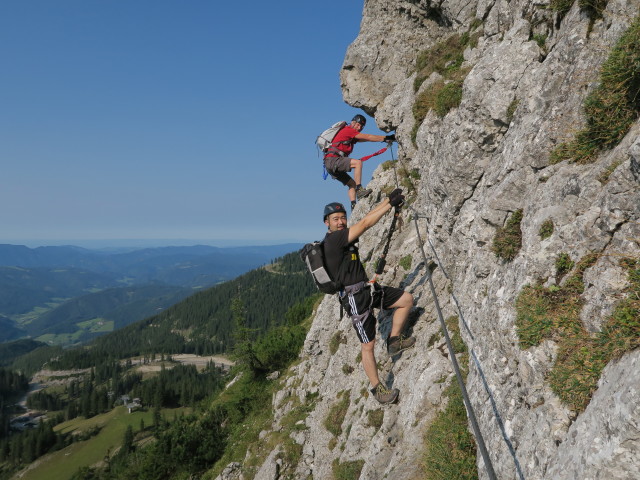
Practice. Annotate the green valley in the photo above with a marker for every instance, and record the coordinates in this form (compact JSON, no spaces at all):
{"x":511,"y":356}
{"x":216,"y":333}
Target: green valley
{"x":182,"y":418}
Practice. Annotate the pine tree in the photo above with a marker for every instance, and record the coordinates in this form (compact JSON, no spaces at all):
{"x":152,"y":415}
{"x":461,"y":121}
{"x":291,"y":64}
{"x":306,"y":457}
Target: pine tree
{"x":127,"y":442}
{"x":243,"y":349}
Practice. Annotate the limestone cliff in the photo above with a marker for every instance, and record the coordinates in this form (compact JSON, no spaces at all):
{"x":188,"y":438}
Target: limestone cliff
{"x":526,"y":71}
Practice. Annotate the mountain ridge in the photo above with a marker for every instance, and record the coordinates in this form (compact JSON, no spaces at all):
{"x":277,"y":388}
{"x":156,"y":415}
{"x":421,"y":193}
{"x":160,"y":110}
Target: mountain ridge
{"x":41,"y":286}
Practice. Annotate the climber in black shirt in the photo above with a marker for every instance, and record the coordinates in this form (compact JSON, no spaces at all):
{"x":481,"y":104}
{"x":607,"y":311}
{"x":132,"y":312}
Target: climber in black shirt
{"x":357,"y":297}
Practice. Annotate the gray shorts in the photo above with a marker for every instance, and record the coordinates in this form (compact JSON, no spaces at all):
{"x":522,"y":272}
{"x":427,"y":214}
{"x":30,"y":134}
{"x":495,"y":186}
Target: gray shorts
{"x":338,"y":167}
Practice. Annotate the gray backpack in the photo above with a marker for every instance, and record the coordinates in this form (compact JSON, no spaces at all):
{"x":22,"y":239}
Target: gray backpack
{"x":325,"y":139}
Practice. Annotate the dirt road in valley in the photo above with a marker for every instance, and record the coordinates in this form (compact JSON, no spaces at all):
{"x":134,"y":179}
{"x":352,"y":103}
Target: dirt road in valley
{"x":47,"y":378}
{"x":188,"y":359}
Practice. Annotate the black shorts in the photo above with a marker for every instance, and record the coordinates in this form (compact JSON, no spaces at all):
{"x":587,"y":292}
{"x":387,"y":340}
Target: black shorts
{"x":359,"y":306}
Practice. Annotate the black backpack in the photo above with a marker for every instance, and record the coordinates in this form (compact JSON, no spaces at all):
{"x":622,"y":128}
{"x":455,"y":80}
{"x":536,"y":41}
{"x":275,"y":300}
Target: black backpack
{"x":312,"y":255}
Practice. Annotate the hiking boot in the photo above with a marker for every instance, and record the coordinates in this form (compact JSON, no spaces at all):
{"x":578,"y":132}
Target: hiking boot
{"x":397,"y":344}
{"x":385,"y":395}
{"x":363,"y":192}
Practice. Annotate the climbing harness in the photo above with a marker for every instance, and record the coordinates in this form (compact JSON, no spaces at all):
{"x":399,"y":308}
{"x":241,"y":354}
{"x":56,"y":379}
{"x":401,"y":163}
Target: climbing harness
{"x":348,"y":295}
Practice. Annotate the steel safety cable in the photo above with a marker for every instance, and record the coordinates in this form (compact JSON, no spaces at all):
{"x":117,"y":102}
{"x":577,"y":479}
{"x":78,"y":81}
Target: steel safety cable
{"x":480,"y":370}
{"x":476,"y":361}
{"x":452,"y":356}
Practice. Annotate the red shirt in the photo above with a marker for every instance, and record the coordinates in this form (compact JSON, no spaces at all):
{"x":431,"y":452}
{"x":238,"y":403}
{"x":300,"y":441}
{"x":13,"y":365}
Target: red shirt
{"x":346,"y":134}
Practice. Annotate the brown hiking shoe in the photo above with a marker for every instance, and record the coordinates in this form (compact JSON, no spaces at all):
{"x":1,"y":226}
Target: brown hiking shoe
{"x":385,"y":395}
{"x":397,"y":344}
{"x":363,"y":192}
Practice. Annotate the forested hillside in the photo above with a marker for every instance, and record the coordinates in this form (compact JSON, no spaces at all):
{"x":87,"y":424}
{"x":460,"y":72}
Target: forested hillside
{"x":202,"y":324}
{"x":21,"y":289}
{"x":8,"y":330}
{"x":257,"y":319}
{"x":69,"y":295}
{"x":88,"y":316}
{"x":9,"y":351}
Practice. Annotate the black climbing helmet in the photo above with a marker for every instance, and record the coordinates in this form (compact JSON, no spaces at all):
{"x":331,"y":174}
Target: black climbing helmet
{"x":360,"y":119}
{"x":333,"y":207}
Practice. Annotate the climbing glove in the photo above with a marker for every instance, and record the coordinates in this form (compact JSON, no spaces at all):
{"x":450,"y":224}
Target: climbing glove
{"x":396,"y":199}
{"x":390,"y":138}
{"x":395,"y":193}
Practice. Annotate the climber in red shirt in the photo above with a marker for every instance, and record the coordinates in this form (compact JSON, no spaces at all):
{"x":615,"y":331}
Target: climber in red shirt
{"x":338,"y":163}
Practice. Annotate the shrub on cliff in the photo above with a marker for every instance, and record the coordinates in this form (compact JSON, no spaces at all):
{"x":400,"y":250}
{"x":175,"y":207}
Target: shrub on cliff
{"x":508,"y":239}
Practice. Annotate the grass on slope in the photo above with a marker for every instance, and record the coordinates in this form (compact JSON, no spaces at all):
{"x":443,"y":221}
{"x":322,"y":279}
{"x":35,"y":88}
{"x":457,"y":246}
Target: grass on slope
{"x":553,"y":313}
{"x":62,"y":464}
{"x":93,"y":326}
{"x":450,"y":448}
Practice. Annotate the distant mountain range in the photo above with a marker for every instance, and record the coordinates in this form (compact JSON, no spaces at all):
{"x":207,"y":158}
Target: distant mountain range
{"x":68,"y":294}
{"x":181,"y":266}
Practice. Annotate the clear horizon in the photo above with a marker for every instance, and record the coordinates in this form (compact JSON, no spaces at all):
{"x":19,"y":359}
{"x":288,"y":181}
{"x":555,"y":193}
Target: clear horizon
{"x":146,"y":242}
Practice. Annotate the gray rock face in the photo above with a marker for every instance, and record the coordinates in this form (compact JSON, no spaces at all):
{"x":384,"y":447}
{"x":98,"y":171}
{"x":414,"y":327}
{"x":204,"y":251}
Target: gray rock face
{"x":478,"y":165}
{"x":605,"y":440}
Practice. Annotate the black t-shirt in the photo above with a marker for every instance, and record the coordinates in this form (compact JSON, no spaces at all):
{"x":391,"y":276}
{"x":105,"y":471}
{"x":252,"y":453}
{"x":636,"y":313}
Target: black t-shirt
{"x":336,"y":249}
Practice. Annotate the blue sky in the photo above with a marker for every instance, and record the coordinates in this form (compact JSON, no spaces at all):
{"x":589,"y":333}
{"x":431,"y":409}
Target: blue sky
{"x":155,"y":119}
